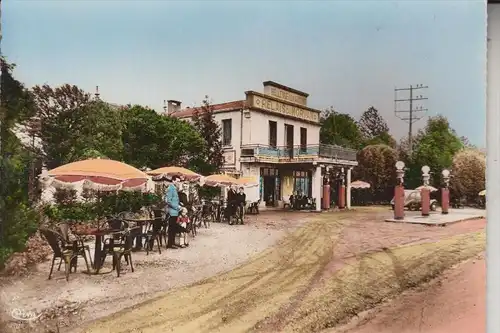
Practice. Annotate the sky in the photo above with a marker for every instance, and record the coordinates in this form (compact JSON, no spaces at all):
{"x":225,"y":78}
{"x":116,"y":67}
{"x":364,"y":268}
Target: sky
{"x":347,"y":54}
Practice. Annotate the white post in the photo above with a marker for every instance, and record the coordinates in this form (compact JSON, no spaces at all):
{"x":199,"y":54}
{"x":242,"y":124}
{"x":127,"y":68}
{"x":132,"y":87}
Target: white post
{"x":493,"y":164}
{"x":348,"y":189}
{"x":316,"y":187}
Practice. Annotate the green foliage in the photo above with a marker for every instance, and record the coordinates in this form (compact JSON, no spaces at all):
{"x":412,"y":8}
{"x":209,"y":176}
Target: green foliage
{"x":211,"y":159}
{"x":339,"y":129}
{"x":154,"y":141}
{"x":71,"y":123}
{"x":96,"y":204}
{"x":468,"y":175}
{"x":374,"y":129}
{"x":435,"y":146}
{"x":17,"y":220}
{"x":376,"y":166}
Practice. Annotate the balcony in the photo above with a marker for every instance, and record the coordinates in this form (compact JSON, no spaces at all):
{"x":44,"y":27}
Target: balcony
{"x":297,"y":154}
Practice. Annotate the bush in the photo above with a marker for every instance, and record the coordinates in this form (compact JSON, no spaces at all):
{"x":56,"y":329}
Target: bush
{"x":468,"y":175}
{"x":19,"y":225}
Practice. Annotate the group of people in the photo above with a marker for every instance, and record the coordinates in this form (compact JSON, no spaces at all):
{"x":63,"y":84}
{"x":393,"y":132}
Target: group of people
{"x":179,"y":208}
{"x":236,"y":200}
{"x":299,"y":201}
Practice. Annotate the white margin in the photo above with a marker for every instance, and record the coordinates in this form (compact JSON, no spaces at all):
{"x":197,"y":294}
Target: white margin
{"x":493,"y":171}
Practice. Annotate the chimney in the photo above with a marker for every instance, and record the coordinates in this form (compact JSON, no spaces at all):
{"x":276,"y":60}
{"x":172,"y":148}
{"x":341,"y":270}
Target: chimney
{"x":173,"y":106}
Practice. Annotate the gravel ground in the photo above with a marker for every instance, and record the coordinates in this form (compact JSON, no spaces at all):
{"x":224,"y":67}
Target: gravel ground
{"x":85,"y":298}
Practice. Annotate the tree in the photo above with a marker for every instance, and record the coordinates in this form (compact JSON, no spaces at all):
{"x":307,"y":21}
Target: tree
{"x":153,"y":140}
{"x":374,"y":128}
{"x":17,"y":220}
{"x":212,"y":159}
{"x":468,"y":174}
{"x":466,"y":143}
{"x":437,"y":144}
{"x":339,"y":129}
{"x":376,"y":166}
{"x":70,"y":121}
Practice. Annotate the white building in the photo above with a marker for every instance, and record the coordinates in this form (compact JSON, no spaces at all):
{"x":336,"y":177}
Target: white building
{"x":274,"y":137}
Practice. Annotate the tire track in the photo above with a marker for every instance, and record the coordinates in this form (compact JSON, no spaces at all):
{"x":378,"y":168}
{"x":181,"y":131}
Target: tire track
{"x":237,"y":300}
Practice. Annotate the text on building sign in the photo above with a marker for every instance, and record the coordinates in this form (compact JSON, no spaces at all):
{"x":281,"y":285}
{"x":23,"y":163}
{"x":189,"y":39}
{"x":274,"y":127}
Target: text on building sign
{"x":289,"y":110}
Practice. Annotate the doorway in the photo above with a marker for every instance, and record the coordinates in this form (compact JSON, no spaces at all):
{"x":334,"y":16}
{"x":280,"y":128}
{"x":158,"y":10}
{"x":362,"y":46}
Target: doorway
{"x":289,"y":139}
{"x":270,"y":177}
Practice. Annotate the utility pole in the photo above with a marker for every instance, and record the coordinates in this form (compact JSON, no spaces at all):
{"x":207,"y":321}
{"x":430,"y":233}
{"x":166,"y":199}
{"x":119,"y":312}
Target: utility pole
{"x":413,"y":113}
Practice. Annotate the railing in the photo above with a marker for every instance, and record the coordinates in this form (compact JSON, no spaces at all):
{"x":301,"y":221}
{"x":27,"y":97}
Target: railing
{"x":308,"y":152}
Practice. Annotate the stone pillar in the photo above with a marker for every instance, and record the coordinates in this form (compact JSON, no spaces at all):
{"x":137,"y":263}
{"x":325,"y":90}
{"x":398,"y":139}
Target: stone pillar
{"x":425,"y":196}
{"x":316,"y":186}
{"x":348,"y":189}
{"x":342,"y":190}
{"x":425,"y":193}
{"x":399,"y":192}
{"x":445,"y":200}
{"x":399,"y":202}
{"x":445,"y":192}
{"x":326,"y":196}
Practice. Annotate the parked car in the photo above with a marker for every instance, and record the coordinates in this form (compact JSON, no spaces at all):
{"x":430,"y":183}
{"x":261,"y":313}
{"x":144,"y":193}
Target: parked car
{"x":413,"y":201}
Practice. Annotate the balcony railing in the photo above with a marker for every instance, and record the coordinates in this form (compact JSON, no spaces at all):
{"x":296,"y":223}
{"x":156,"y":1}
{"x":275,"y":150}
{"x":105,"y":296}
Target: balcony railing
{"x":297,"y":153}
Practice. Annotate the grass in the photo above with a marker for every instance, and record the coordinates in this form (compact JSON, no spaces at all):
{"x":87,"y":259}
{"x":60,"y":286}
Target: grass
{"x":379,"y":276}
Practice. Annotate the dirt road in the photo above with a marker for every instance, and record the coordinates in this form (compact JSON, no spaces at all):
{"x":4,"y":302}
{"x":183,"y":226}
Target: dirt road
{"x":277,"y":290}
{"x":455,"y":302}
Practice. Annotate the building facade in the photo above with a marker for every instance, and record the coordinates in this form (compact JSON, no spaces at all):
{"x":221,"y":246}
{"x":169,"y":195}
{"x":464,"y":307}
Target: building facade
{"x":274,"y":137}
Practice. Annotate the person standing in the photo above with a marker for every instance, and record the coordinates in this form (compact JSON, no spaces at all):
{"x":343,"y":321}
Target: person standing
{"x":173,"y":209}
{"x":232,"y":202}
{"x":242,"y":201}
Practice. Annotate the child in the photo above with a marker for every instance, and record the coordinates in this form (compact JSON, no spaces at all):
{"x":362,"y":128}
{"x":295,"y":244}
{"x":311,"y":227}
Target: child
{"x":182,"y":239}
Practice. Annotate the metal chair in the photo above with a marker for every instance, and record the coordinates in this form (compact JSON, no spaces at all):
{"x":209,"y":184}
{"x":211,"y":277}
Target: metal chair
{"x":76,"y":245}
{"x":123,"y":250}
{"x":62,"y":252}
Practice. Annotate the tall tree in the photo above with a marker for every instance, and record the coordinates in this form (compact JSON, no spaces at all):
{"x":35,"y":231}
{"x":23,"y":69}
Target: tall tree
{"x":374,"y":128}
{"x":372,"y":124}
{"x":153,"y":140}
{"x":376,"y":166}
{"x":212,"y":159}
{"x":70,"y":122}
{"x":437,"y":144}
{"x":339,"y":129}
{"x":17,"y":220}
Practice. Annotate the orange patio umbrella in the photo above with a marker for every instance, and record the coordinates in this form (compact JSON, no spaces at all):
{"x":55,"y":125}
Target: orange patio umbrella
{"x":220,"y":180}
{"x":102,"y":174}
{"x":174,"y":171}
{"x":360,"y":184}
{"x":431,"y":188}
{"x":247,"y":181}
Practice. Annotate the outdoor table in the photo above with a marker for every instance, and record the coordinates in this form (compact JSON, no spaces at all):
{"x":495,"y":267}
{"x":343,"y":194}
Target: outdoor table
{"x":140,"y":223}
{"x":99,"y":237}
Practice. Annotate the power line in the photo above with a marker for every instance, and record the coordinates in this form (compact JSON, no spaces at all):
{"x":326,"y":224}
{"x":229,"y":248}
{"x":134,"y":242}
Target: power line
{"x":413,"y":113}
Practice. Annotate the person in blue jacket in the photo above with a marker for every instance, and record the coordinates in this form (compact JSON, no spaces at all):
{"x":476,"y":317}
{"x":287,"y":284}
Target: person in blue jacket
{"x":173,"y":210}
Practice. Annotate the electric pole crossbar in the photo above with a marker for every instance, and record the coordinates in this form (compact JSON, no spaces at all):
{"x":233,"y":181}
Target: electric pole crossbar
{"x":412,"y":113}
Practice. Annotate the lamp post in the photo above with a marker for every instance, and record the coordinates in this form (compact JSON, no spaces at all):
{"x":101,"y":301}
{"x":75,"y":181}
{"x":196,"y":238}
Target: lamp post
{"x":399,"y":192}
{"x":425,"y":193}
{"x":445,"y":192}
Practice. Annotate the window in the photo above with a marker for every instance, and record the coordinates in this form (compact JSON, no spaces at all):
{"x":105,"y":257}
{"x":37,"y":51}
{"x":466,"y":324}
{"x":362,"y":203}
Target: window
{"x":273,"y":133}
{"x":303,"y":139}
{"x":227,"y":125}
